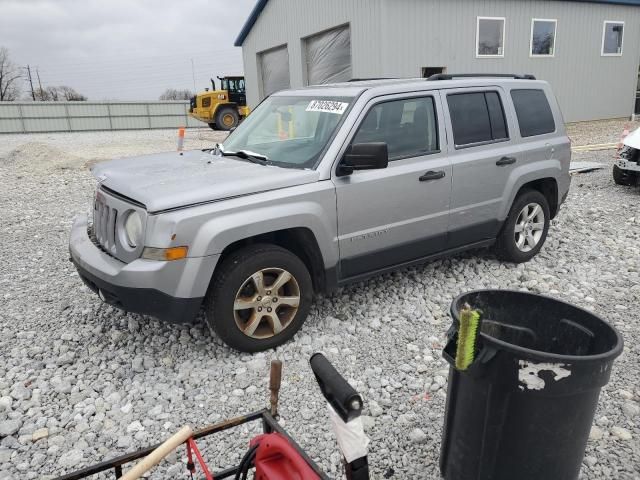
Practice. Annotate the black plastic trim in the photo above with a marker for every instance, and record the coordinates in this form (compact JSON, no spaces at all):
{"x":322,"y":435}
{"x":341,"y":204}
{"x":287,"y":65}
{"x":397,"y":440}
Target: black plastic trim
{"x":363,"y":266}
{"x":146,"y":301}
{"x":417,"y":261}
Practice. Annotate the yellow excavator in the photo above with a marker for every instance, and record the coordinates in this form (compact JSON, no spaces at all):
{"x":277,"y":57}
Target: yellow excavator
{"x":221,"y":109}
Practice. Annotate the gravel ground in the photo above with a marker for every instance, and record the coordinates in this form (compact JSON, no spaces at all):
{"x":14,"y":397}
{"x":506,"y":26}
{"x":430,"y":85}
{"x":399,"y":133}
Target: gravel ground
{"x":81,"y":381}
{"x":600,"y":131}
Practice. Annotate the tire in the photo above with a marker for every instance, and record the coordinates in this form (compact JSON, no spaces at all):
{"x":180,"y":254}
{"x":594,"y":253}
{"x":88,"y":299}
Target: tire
{"x":233,"y":284}
{"x":212,"y":126}
{"x":622,"y":177}
{"x":227,"y":118}
{"x":520,"y":246}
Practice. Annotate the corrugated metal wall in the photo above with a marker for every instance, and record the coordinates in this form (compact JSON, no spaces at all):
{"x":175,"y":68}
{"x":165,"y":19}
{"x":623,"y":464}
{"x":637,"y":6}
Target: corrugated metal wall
{"x":32,"y":117}
{"x":397,"y":38}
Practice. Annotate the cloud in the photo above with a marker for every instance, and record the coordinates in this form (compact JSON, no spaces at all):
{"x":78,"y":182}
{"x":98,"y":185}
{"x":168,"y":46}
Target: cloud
{"x":123,"y":49}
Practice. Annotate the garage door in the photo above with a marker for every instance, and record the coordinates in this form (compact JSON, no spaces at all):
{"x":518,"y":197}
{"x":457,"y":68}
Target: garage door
{"x":328,"y":56}
{"x":274,"y":66}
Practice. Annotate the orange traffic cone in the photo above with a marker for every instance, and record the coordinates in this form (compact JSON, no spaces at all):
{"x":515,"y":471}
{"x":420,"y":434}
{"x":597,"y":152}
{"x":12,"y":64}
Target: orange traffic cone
{"x":180,"y":138}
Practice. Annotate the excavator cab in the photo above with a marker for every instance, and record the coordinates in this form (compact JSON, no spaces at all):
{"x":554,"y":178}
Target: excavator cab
{"x":221,"y":109}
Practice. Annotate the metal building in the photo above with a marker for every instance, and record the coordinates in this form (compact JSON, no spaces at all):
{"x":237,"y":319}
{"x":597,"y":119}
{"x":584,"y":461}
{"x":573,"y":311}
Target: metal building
{"x":587,"y":49}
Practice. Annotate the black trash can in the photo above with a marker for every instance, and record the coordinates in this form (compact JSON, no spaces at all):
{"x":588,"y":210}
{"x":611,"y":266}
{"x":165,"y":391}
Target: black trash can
{"x":524,"y":407}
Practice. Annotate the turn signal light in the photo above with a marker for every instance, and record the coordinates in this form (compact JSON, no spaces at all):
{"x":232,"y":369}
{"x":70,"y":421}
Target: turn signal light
{"x":165,"y":254}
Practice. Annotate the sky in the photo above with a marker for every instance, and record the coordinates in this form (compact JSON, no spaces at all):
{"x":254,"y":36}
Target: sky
{"x":124,"y":49}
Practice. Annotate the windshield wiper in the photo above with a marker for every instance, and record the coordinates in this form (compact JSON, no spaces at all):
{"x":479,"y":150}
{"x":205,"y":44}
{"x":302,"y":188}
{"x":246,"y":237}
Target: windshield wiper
{"x":246,"y":155}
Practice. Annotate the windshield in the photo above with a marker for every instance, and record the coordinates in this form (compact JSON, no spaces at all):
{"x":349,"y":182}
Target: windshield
{"x":289,"y":131}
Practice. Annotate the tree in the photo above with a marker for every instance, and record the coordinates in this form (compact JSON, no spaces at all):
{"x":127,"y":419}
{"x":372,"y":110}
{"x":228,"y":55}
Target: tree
{"x":173,"y":94}
{"x":9,"y":76}
{"x":58,"y":94}
{"x":70,"y":95}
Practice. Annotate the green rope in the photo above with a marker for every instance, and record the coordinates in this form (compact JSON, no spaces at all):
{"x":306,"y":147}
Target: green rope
{"x":469,"y":323}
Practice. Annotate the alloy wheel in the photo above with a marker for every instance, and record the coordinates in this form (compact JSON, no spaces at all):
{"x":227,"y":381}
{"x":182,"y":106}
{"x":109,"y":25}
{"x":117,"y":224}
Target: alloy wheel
{"x":266,"y":303}
{"x":529,"y":227}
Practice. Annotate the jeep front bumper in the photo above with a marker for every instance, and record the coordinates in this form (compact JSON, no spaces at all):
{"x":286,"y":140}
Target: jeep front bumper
{"x":171,"y":291}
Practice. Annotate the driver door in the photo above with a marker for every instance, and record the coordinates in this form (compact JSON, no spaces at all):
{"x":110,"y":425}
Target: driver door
{"x":391,"y":216}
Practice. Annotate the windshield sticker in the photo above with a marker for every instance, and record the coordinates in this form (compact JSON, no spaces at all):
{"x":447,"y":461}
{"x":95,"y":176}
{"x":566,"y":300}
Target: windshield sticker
{"x":328,"y":106}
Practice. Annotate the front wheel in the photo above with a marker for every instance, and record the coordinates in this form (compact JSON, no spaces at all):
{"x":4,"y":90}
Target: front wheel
{"x":227,"y":118}
{"x":259,"y":298}
{"x":525,"y":230}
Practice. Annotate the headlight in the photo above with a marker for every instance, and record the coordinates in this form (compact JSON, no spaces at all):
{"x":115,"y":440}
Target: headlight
{"x":133,"y":229}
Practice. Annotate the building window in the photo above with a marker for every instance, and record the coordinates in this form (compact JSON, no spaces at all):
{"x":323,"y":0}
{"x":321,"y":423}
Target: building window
{"x":612,"y":35}
{"x":490,"y":37}
{"x":543,"y":37}
{"x":477,"y":118}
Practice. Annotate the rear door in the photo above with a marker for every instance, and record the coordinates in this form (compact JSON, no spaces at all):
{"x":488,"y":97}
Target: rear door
{"x":483,"y":153}
{"x":396,"y":214}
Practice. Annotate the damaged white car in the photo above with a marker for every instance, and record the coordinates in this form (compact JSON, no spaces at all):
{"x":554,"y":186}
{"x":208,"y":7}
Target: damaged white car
{"x":626,"y":170}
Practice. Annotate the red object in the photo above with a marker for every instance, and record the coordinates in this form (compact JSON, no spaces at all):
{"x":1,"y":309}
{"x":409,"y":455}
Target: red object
{"x":277,"y":459}
{"x":192,"y":447}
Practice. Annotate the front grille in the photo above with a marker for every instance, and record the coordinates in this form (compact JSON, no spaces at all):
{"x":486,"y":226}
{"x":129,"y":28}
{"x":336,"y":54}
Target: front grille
{"x":104,"y":226}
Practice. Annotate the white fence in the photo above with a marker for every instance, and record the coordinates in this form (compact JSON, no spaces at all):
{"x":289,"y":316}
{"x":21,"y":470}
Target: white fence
{"x":33,"y":117}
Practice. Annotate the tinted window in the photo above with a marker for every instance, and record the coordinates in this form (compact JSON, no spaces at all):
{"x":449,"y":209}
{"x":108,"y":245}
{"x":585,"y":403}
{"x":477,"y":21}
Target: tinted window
{"x":496,"y":116}
{"x":533,"y":111}
{"x":408,"y":127}
{"x":477,"y":117}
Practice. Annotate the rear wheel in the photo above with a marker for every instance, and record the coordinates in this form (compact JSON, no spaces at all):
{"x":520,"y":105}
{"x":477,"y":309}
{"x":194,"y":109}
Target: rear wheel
{"x":259,"y":299}
{"x":525,"y":229}
{"x":622,"y":177}
{"x":227,"y":118}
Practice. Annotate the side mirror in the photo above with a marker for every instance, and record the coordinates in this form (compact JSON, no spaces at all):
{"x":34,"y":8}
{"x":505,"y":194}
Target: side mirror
{"x":364,"y":156}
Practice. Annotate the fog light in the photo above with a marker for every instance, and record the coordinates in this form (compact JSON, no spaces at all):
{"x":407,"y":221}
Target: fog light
{"x":165,"y":254}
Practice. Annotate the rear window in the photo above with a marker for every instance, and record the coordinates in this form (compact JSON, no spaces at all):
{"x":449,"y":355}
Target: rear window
{"x":477,"y":117}
{"x":533,"y":112}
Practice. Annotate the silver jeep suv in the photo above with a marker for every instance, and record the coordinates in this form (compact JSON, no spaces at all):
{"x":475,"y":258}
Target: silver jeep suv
{"x":322,"y":186}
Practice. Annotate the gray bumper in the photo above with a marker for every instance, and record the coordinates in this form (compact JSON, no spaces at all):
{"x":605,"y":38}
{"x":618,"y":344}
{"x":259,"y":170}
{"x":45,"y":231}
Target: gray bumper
{"x":171,"y":291}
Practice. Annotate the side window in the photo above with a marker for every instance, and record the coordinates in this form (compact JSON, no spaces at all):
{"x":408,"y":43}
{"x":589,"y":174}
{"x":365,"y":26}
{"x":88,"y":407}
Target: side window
{"x":477,"y":117}
{"x":408,"y":127}
{"x":533,"y":112}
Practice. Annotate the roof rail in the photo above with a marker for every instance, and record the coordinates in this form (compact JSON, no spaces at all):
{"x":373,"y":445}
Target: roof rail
{"x":451,"y":76}
{"x":372,"y":78}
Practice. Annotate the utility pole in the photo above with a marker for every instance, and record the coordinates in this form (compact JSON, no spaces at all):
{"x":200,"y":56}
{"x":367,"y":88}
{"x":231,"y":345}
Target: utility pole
{"x":33,"y":95}
{"x":193,"y":74}
{"x":39,"y":84}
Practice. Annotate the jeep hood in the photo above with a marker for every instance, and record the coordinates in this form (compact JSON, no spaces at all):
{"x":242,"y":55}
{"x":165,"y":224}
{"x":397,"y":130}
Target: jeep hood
{"x":170,"y":180}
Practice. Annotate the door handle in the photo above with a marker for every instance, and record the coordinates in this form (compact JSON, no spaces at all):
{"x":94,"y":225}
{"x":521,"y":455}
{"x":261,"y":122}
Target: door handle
{"x":432,"y":175}
{"x":506,"y":161}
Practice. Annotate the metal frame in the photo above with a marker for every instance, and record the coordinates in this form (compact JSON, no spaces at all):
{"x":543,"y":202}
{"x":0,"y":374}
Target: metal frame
{"x":269,"y":425}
